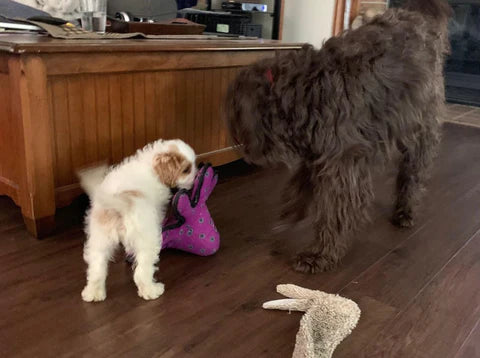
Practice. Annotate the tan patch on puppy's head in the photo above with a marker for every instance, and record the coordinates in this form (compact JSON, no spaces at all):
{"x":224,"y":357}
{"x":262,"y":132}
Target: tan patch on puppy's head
{"x":171,"y":166}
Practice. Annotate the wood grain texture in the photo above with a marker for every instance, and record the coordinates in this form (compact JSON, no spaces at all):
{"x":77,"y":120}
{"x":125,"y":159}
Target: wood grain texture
{"x":419,"y":250}
{"x":105,"y":63}
{"x":104,"y":130}
{"x":77,"y":123}
{"x":338,"y":17}
{"x":105,"y":117}
{"x":139,"y":110}
{"x":4,"y":63}
{"x":127,"y":116}
{"x":282,"y":15}
{"x":444,"y":188}
{"x":9,"y":143}
{"x":212,"y":305}
{"x":471,"y":347}
{"x":102,"y":105}
{"x":31,"y":113}
{"x":23,"y":44}
{"x":424,"y":328}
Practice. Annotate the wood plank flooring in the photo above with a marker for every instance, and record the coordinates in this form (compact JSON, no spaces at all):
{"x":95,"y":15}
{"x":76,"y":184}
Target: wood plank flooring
{"x":419,"y":289}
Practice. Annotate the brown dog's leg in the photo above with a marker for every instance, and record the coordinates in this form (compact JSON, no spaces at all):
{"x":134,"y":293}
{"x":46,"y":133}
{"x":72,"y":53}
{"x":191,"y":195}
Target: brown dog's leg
{"x":342,"y":196}
{"x":297,"y":197}
{"x":415,"y":167}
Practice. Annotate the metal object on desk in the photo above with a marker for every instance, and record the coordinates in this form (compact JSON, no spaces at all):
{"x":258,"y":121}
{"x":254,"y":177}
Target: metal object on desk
{"x":160,"y":10}
{"x":239,"y":6}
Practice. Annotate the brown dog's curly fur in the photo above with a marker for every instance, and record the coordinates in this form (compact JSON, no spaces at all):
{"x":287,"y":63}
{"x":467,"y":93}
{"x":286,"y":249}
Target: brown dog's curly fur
{"x":332,"y":113}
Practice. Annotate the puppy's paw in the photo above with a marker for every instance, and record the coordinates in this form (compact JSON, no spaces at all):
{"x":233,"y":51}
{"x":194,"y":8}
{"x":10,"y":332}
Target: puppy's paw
{"x":151,"y":291}
{"x":94,"y":293}
{"x":403,"y":219}
{"x":309,"y":262}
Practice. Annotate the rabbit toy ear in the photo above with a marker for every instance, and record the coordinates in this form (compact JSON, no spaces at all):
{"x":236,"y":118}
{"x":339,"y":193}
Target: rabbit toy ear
{"x":197,"y":184}
{"x":210,"y":179}
{"x":175,"y":219}
{"x":293,"y":291}
{"x":204,"y":183}
{"x":288,"y":304}
{"x":183,"y":203}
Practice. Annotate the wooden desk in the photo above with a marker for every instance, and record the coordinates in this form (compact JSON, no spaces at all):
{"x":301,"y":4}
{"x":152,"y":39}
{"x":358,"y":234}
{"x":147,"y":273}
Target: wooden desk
{"x":68,"y":103}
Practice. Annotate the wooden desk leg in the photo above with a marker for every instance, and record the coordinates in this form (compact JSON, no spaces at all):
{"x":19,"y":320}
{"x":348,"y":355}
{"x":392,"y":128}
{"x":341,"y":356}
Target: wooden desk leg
{"x":31,"y":111}
{"x":40,"y":228}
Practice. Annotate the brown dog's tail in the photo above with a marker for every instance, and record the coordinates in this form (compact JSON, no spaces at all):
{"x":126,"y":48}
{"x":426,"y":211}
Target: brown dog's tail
{"x":440,"y":10}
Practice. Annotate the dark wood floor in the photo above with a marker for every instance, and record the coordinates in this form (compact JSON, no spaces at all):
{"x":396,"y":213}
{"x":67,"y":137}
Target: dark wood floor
{"x":419,"y":289}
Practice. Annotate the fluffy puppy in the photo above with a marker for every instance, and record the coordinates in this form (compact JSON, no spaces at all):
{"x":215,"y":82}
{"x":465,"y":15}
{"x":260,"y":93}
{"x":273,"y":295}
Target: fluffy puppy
{"x":332,"y":114}
{"x":128,"y":205}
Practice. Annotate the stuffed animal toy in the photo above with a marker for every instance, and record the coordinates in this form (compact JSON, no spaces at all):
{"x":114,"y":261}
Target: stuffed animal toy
{"x":190,"y":227}
{"x":328,"y":319}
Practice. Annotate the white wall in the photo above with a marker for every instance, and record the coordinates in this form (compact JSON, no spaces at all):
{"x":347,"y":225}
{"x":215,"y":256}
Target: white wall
{"x":308,"y":21}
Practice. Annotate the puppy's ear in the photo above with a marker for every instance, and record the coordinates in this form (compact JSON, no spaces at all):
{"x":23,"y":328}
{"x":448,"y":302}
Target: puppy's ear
{"x":170,"y":167}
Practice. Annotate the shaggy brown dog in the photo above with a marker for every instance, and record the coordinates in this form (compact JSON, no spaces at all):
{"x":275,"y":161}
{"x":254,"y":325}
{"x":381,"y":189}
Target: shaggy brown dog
{"x":331,"y":114}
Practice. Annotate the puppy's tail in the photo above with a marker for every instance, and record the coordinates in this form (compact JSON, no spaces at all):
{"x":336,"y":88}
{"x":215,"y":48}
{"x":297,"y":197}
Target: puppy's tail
{"x":439,"y":10}
{"x":91,"y":178}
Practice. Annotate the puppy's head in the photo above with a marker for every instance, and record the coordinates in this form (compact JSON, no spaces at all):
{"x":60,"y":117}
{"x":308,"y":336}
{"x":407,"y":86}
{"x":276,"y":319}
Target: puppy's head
{"x":174,"y":163}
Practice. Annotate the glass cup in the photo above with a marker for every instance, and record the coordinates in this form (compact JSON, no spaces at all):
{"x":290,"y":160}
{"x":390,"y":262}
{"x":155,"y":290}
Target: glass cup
{"x":94,"y":15}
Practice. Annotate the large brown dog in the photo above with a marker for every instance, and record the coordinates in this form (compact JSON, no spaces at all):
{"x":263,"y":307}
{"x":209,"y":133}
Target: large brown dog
{"x":332,"y":113}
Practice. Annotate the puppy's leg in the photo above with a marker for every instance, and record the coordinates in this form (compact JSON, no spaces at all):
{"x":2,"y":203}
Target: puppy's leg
{"x":146,"y":259}
{"x":147,"y":242}
{"x":296,"y":198}
{"x":415,"y":167}
{"x":98,"y":250}
{"x":342,"y":197}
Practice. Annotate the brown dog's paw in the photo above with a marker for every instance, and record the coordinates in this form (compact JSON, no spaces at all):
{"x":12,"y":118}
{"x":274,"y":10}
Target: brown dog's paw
{"x":403,"y":219}
{"x":309,"y":262}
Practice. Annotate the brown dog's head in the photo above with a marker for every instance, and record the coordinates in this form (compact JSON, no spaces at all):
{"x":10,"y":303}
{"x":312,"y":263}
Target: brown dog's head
{"x":247,"y":113}
{"x":174,"y":163}
{"x":259,"y":107}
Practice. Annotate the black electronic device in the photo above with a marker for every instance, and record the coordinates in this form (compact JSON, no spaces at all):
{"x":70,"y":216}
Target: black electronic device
{"x":144,"y":11}
{"x":232,"y":6}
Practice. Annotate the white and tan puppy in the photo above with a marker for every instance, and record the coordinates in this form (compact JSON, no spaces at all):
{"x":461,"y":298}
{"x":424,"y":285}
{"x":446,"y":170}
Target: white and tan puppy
{"x":128,"y":205}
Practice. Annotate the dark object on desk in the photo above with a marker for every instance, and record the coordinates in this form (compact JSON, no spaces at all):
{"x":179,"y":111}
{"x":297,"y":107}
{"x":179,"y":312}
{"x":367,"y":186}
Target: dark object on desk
{"x":219,"y":22}
{"x":229,"y":5}
{"x":68,"y":31}
{"x":182,"y":4}
{"x":172,"y":27}
{"x":48,"y":20}
{"x":12,"y":9}
{"x":159,"y":10}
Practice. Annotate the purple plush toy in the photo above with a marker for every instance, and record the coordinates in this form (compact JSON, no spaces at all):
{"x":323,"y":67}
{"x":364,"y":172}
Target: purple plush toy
{"x":190,"y":228}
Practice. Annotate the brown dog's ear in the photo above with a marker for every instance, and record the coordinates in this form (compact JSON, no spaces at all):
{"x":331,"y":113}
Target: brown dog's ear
{"x":170,"y":166}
